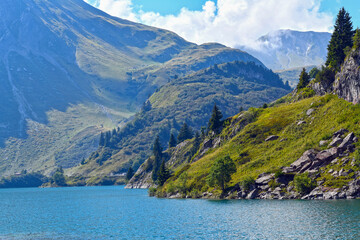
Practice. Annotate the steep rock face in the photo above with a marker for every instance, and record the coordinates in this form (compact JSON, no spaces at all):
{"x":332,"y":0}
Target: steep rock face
{"x":347,"y":83}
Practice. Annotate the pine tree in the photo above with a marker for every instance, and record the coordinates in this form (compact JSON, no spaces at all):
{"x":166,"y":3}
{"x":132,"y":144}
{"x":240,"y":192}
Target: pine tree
{"x":163,"y":174}
{"x":184,"y":133}
{"x":130,"y":173}
{"x":356,"y":39}
{"x":196,"y":144}
{"x":172,"y":141}
{"x":304,"y":79}
{"x":157,"y":153}
{"x":313,"y":72}
{"x":340,"y":40}
{"x":102,"y":140}
{"x":215,"y":121}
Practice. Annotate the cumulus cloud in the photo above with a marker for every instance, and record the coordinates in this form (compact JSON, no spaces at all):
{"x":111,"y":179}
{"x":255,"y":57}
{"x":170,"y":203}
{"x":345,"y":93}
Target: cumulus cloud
{"x":231,"y":22}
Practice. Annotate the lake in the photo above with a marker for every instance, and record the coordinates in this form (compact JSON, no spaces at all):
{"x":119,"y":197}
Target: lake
{"x":118,"y":213}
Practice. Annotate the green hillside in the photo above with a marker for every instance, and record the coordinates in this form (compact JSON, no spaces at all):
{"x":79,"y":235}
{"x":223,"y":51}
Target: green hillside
{"x":188,"y":99}
{"x":69,"y":71}
{"x":299,"y":125}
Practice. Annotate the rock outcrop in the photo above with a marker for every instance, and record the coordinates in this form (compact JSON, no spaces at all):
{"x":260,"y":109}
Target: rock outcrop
{"x":347,"y":83}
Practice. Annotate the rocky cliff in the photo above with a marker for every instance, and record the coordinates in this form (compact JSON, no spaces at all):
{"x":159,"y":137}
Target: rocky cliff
{"x":347,"y":82}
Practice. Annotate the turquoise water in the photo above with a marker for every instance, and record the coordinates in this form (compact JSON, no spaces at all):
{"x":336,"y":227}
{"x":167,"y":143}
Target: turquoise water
{"x":117,"y":213}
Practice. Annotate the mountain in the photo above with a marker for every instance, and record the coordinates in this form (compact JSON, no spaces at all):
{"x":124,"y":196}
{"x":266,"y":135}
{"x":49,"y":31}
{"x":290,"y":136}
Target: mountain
{"x":304,"y":145}
{"x":285,"y":49}
{"x":69,"y":71}
{"x":187,"y":99}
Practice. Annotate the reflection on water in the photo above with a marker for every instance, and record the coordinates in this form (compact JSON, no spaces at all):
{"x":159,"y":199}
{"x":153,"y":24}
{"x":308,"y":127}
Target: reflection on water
{"x":116,"y":213}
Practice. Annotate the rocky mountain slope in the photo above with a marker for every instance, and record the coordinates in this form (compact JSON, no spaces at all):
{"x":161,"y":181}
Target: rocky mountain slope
{"x":69,"y":71}
{"x":286,"y":49}
{"x":305,"y":145}
{"x":185,"y":99}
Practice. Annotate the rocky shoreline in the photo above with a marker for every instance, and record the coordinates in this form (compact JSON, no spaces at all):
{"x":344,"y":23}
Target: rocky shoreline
{"x":314,"y":164}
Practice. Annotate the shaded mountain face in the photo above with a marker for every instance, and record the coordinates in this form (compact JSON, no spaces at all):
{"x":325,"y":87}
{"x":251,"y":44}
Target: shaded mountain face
{"x":69,"y":71}
{"x":187,"y":99}
{"x":285,"y":49}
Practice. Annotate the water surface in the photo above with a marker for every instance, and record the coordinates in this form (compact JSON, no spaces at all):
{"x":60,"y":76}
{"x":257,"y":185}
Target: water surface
{"x":118,"y":213}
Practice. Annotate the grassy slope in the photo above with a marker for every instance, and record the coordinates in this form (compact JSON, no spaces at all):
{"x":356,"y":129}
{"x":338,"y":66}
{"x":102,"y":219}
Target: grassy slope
{"x":190,"y":99}
{"x":254,"y":156}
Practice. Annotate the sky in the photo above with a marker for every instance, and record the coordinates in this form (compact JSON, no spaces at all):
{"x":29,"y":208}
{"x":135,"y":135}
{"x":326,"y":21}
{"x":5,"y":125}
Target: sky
{"x":231,"y":22}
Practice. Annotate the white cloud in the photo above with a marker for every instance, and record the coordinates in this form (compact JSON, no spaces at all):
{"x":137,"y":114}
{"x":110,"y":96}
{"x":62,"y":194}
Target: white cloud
{"x":231,"y":22}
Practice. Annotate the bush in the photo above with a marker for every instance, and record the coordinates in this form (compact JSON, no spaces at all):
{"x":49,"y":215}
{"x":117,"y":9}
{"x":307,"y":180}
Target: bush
{"x":247,"y":183}
{"x":152,"y":191}
{"x":303,"y":184}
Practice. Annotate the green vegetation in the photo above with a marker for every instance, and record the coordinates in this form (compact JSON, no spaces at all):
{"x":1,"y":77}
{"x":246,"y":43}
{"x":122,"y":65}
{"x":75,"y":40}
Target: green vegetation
{"x":356,"y":39}
{"x":215,"y":122}
{"x":184,"y":133}
{"x":158,"y":158}
{"x":163,"y":174}
{"x":253,"y":156}
{"x":172,"y":141}
{"x":58,"y":179}
{"x":129,"y":174}
{"x":189,"y":100}
{"x":220,"y":172}
{"x":23,"y":180}
{"x":341,"y":39}
{"x":303,"y":183}
{"x":304,"y":79}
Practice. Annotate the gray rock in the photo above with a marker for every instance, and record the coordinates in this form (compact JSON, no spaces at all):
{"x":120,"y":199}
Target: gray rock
{"x":301,"y":122}
{"x":331,"y":195}
{"x":316,"y":193}
{"x":348,"y":140}
{"x":323,"y":143}
{"x":354,"y":188}
{"x":271,"y":138}
{"x":347,"y":81}
{"x":264,"y":179}
{"x":336,"y":141}
{"x":305,"y":160}
{"x":310,"y":111}
{"x":252,"y":194}
{"x":327,"y":155}
{"x":283,"y":139}
{"x":331,"y":171}
{"x":207,"y":143}
{"x":340,"y":132}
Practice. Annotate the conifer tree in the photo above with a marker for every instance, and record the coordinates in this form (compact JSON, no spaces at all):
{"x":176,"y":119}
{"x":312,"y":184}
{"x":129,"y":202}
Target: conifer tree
{"x":304,"y":79}
{"x":102,"y":140}
{"x":341,"y":39}
{"x":157,"y":153}
{"x":184,"y":133}
{"x":163,"y":174}
{"x":356,"y":39}
{"x":172,"y":141}
{"x":215,"y":121}
{"x":130,"y":173}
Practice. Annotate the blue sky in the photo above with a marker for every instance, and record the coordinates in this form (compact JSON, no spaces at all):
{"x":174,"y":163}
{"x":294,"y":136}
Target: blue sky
{"x":231,"y":22}
{"x":173,"y":6}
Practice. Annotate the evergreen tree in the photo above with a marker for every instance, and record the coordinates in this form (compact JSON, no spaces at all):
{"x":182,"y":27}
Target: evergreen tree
{"x":184,"y":133}
{"x":130,"y":173}
{"x":157,"y":153}
{"x":102,"y":140}
{"x":196,"y":145}
{"x":59,"y":178}
{"x":356,"y":39}
{"x":265,"y":105}
{"x":163,"y":174}
{"x":313,"y":72}
{"x":341,"y":38}
{"x":221,"y":171}
{"x":304,"y":79}
{"x":172,"y":141}
{"x":215,"y":121}
{"x":203,"y":133}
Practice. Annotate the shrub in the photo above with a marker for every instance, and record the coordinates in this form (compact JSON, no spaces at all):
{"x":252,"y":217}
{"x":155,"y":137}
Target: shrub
{"x":303,"y":184}
{"x":152,"y":191}
{"x":247,"y":183}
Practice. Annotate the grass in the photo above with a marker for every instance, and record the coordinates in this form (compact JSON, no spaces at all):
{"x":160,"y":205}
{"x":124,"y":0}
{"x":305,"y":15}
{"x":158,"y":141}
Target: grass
{"x":330,"y":115}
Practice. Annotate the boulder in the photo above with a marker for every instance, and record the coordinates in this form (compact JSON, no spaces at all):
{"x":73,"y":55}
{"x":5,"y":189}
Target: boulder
{"x":335,"y":142}
{"x":271,"y":138}
{"x":252,"y":194}
{"x":340,"y":132}
{"x":323,"y":143}
{"x":305,"y":160}
{"x":348,"y":140}
{"x":207,"y":143}
{"x":310,"y":111}
{"x":327,"y":155}
{"x":301,"y":122}
{"x":264,"y":179}
{"x":354,"y":188}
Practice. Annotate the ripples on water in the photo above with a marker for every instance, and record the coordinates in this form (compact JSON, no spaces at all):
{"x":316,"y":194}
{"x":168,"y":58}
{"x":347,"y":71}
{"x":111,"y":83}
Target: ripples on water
{"x":116,"y":213}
